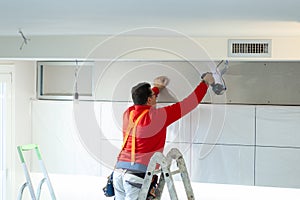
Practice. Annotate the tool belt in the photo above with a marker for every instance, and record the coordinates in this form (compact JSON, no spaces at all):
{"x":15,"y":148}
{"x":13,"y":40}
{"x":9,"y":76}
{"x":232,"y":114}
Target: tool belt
{"x":138,"y":174}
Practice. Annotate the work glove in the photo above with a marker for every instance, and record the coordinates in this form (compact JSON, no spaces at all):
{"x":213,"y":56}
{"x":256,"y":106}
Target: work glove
{"x":161,"y":82}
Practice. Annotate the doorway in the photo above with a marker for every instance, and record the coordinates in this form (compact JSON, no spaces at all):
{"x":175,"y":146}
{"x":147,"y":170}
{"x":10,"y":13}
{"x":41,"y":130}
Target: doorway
{"x":5,"y":131}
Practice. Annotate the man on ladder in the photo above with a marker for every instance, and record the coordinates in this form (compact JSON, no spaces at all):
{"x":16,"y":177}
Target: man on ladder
{"x":149,"y":134}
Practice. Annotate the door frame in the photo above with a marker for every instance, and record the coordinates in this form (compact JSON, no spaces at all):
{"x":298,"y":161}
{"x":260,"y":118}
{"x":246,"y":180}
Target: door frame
{"x":7,"y":75}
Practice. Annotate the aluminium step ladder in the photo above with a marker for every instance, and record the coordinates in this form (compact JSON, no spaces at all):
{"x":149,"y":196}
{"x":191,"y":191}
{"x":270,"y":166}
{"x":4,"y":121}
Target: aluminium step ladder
{"x":166,"y":175}
{"x":28,"y":182}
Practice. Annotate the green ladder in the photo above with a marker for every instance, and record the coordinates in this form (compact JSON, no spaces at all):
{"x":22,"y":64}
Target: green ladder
{"x":28,"y":182}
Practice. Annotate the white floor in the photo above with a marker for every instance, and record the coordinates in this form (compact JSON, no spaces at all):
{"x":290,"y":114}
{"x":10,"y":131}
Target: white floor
{"x":90,"y":188}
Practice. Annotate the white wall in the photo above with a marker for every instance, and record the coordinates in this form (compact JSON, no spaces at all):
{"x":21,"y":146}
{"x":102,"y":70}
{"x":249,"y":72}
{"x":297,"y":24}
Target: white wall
{"x":6,"y":139}
{"x":24,"y":88}
{"x":278,"y":146}
{"x":54,"y":125}
{"x":227,"y":144}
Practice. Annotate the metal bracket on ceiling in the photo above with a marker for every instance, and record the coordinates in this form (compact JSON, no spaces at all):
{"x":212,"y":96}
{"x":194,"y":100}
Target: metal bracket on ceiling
{"x":25,"y":39}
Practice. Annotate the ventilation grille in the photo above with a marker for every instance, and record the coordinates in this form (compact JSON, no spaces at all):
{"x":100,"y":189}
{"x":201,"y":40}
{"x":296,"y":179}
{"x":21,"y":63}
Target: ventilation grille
{"x":249,"y":48}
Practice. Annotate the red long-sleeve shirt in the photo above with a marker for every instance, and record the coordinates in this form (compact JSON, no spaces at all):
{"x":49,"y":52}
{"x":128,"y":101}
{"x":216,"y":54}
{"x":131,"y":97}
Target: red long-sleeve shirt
{"x":152,"y":128}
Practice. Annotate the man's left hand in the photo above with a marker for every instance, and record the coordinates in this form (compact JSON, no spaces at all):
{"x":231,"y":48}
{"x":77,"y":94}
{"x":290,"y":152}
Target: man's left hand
{"x":161,"y":82}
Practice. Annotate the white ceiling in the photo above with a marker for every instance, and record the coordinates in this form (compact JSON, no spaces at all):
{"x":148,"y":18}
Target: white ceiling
{"x":194,"y":18}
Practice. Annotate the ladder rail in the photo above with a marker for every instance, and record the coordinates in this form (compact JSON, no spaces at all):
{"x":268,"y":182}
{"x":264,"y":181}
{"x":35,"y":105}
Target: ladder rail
{"x":186,"y":180}
{"x":28,"y":182}
{"x":47,"y":179}
{"x":169,"y":181}
{"x":27,"y":177}
{"x":21,"y":190}
{"x":175,"y":154}
{"x":156,"y":158}
{"x":166,"y":176}
{"x":39,"y":189}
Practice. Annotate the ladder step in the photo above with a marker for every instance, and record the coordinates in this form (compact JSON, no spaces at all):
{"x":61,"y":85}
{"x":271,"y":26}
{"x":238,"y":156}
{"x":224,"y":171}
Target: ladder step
{"x":175,"y":172}
{"x":166,"y":175}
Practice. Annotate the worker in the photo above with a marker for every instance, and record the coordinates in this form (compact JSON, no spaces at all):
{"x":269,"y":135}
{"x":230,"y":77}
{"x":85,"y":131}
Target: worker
{"x":150,"y":134}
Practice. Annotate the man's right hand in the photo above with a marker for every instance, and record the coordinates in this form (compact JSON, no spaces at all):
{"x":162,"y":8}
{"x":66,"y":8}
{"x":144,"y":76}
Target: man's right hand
{"x":208,"y":78}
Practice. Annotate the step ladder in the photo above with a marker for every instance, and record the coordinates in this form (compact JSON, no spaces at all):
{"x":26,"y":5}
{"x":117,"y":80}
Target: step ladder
{"x":28,"y":182}
{"x":166,"y":175}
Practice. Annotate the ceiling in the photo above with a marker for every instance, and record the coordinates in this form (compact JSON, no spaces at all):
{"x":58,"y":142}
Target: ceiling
{"x":194,"y":18}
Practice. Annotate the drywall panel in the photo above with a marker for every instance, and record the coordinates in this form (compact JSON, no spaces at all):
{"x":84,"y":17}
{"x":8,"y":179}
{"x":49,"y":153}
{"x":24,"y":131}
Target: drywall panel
{"x":55,"y":131}
{"x":278,"y":126}
{"x":223,"y":164}
{"x":115,"y":80}
{"x":109,"y":158}
{"x":263,"y":82}
{"x":247,"y":82}
{"x":223,"y":124}
{"x":80,"y":141}
{"x":277,"y":167}
{"x":111,"y":118}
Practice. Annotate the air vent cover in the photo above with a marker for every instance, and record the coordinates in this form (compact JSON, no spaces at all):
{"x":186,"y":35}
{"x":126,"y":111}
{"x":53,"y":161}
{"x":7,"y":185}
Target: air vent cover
{"x":249,"y":48}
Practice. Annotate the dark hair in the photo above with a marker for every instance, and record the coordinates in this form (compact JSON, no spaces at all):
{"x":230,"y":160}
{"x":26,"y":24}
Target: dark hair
{"x":140,"y":93}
